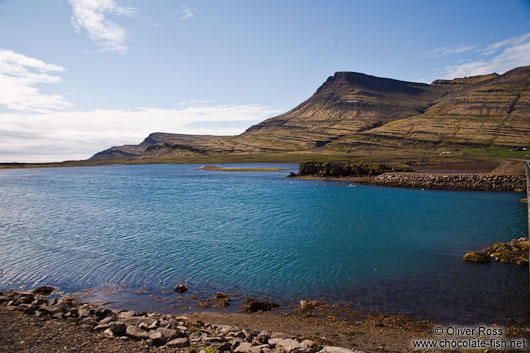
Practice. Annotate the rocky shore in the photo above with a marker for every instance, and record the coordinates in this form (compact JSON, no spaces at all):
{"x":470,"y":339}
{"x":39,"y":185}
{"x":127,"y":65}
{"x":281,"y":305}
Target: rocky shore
{"x":515,"y":251}
{"x":478,"y":182}
{"x":399,"y":176}
{"x":173,"y":333}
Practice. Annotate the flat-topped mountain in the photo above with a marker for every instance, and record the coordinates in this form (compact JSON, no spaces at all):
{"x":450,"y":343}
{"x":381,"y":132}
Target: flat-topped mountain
{"x":354,"y":111}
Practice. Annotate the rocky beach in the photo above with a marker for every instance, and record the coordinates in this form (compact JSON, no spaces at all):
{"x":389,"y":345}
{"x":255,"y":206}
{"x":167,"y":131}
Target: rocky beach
{"x":31,"y":322}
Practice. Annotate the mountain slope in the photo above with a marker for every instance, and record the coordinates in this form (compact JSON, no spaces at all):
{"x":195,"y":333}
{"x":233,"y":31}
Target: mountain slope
{"x":353,"y":111}
{"x":495,"y":111}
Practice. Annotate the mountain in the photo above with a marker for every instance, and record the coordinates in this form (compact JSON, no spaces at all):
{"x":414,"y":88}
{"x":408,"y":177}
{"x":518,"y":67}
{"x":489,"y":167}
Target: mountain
{"x":353,"y":111}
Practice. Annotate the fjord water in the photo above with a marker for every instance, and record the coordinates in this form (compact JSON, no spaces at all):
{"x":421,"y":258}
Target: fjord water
{"x":153,"y":226}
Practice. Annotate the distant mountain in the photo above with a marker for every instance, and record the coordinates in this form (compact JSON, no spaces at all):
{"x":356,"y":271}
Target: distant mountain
{"x":354,"y":111}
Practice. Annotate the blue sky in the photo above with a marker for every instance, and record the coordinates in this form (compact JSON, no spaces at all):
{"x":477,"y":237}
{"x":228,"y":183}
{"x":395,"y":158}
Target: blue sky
{"x":78,"y":76}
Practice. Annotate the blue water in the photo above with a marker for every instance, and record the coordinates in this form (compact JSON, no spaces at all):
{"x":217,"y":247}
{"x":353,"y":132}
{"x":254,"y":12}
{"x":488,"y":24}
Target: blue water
{"x":150,"y":227}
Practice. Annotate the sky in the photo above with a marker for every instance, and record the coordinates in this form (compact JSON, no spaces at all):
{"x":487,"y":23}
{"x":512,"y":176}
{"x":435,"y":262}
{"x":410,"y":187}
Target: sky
{"x":80,"y":76}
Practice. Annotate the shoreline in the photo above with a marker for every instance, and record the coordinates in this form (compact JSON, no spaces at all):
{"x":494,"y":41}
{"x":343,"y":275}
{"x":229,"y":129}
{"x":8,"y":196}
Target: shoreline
{"x":434,"y":181}
{"x":306,"y":329}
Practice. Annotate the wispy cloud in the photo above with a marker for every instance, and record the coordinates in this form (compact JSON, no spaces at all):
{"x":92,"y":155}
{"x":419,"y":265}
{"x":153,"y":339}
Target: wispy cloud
{"x":58,"y":136}
{"x":497,"y":57}
{"x":186,"y":13}
{"x":91,"y":16}
{"x":450,"y":50}
{"x":19,"y":75}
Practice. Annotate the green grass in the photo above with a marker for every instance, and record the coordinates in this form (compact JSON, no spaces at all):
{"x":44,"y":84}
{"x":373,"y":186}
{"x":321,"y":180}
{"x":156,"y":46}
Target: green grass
{"x":396,"y":156}
{"x":493,"y":152}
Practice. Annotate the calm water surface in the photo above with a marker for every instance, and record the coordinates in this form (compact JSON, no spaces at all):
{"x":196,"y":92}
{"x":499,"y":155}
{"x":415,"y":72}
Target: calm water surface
{"x":149,"y":227}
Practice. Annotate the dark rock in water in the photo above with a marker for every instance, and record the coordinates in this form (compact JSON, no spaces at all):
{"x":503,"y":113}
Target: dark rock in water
{"x":43,"y":290}
{"x":473,"y":256}
{"x":180,"y":288}
{"x":205,"y":303}
{"x":222,"y":299}
{"x":254,"y":305}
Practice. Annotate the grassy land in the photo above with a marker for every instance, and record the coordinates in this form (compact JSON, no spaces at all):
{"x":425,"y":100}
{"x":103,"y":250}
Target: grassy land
{"x":395,"y":157}
{"x":494,"y":152}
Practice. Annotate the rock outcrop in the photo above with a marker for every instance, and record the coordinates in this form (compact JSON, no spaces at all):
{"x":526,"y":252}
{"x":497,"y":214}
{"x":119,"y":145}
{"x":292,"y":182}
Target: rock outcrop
{"x":346,"y":169}
{"x":515,"y":251}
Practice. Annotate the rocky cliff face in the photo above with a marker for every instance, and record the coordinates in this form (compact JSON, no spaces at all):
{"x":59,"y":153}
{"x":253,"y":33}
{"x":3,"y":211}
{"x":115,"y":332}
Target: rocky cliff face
{"x":345,"y":169}
{"x":493,"y":111}
{"x":353,"y":111}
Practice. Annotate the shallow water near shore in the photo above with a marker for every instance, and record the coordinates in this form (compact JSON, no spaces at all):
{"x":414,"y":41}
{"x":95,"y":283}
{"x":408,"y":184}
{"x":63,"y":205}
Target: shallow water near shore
{"x":144,"y":228}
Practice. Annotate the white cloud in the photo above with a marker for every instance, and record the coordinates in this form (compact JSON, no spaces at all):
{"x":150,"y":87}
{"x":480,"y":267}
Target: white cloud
{"x":91,"y":16}
{"x":497,"y":57}
{"x":186,"y":13}
{"x":19,"y":76}
{"x":58,"y":136}
{"x":449,"y":50}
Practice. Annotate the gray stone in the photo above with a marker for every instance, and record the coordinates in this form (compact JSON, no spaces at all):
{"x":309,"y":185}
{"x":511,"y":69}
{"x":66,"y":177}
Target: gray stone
{"x":244,"y":347}
{"x":108,"y":333}
{"x":82,"y":312}
{"x":178,"y":342}
{"x":332,"y":349}
{"x":288,"y":345}
{"x":118,"y":328}
{"x":101,"y":327}
{"x":136,"y":333}
{"x":224,"y":329}
{"x":258,"y":348}
{"x":107,"y":320}
{"x":148,"y":321}
{"x":125,"y":314}
{"x":215,"y":339}
{"x":157,"y":338}
{"x":263,"y":337}
{"x":309,"y":343}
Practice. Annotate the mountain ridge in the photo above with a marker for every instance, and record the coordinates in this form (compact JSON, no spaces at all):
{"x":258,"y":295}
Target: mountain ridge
{"x":353,"y":111}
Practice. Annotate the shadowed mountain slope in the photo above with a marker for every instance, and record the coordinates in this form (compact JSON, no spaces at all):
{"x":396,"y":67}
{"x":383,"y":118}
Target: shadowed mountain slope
{"x":353,"y":111}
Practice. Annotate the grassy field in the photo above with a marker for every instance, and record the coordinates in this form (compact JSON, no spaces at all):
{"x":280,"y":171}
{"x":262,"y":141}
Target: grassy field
{"x":394,"y":157}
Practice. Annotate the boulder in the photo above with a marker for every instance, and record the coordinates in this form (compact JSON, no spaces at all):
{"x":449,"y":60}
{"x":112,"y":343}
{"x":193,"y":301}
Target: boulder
{"x":118,"y":328}
{"x":178,"y":342}
{"x":288,"y":345}
{"x":137,"y":320}
{"x":222,"y":299}
{"x":136,"y":333}
{"x":263,"y":337}
{"x":180,"y":288}
{"x":43,"y":290}
{"x":254,"y":305}
{"x":473,"y":256}
{"x":331,"y":349}
{"x":243,"y":347}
